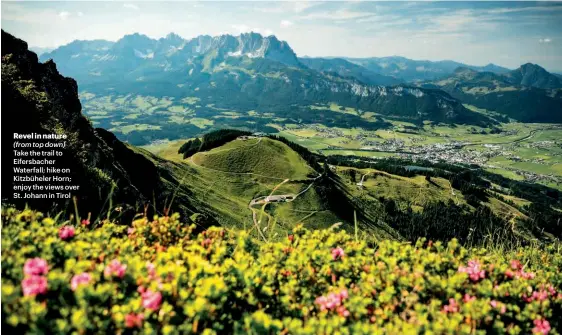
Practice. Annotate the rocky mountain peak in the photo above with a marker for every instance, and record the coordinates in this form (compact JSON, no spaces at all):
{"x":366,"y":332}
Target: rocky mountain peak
{"x":530,"y":67}
{"x":533,"y":75}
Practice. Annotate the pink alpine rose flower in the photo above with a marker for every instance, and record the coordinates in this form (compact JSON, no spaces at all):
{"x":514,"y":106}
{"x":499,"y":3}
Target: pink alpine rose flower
{"x":321,"y":301}
{"x":85,"y":222}
{"x":66,"y":232}
{"x":468,"y":298}
{"x":334,"y":301}
{"x":206,"y":243}
{"x":541,"y":327}
{"x":35,"y":266}
{"x":115,"y":268}
{"x":515,"y":264}
{"x":474,"y":270}
{"x":151,"y":270}
{"x":519,"y":272}
{"x":342,"y":311}
{"x":82,"y":279}
{"x":34,"y":285}
{"x":452,"y":307}
{"x":337,"y":253}
{"x":133,"y":320}
{"x":344,"y":294}
{"x":151,"y":300}
{"x":526,"y":275}
{"x":540,"y":295}
{"x":497,"y":304}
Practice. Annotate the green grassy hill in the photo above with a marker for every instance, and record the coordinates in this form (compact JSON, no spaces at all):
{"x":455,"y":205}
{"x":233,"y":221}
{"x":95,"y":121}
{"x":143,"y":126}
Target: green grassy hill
{"x":260,"y":156}
{"x":417,"y":192}
{"x":228,"y":177}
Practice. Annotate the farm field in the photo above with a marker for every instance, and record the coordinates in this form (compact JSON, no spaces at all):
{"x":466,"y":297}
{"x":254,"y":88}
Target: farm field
{"x":522,"y":151}
{"x":518,"y":151}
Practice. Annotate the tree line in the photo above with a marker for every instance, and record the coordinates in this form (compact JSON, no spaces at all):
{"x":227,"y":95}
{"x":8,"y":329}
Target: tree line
{"x":210,"y":140}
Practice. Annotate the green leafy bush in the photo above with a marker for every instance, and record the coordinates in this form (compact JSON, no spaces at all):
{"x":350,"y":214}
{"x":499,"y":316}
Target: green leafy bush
{"x":159,"y":276}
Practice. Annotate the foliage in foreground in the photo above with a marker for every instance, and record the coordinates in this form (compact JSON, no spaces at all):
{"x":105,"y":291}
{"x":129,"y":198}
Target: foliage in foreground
{"x":158,"y":276}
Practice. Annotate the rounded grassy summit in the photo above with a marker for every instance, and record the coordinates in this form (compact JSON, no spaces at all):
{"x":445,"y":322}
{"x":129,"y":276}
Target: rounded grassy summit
{"x":255,"y":155}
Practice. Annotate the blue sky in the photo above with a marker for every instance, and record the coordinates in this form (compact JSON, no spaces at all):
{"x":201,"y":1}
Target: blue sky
{"x":477,"y":33}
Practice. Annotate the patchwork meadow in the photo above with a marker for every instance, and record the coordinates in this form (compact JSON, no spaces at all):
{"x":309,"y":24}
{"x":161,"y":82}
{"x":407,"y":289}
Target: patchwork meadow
{"x":161,"y":276}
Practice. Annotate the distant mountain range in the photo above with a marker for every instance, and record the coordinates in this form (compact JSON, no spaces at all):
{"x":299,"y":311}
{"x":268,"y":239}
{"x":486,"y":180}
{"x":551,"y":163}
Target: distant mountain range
{"x":245,"y":72}
{"x":346,"y":68}
{"x":528,"y":94}
{"x":417,"y":70}
{"x":251,"y":72}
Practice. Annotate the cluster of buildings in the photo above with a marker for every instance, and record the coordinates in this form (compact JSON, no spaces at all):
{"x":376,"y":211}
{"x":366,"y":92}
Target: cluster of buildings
{"x":544,"y":144}
{"x":447,"y":154}
{"x":535,"y":177}
{"x":322,"y":131}
{"x":451,"y":151}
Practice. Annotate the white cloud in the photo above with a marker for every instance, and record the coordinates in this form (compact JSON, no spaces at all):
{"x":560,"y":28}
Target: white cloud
{"x":384,"y":21}
{"x":241,"y":28}
{"x":342,"y":14}
{"x":64,"y":15}
{"x":300,"y":6}
{"x":288,"y":7}
{"x":286,"y":23}
{"x":454,"y":21}
{"x":131,"y":6}
{"x":524,"y":9}
{"x":462,"y":21}
{"x":80,"y":14}
{"x":545,"y":40}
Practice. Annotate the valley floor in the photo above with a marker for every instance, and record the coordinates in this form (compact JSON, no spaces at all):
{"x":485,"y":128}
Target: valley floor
{"x":530,"y":152}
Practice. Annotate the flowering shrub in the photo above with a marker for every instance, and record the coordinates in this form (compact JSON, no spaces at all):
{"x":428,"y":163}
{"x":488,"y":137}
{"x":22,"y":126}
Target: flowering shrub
{"x":66,"y":232}
{"x":159,"y":276}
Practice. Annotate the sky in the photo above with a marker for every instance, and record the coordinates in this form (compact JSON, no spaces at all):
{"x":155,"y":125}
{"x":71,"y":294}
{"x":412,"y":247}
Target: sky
{"x":476,"y":33}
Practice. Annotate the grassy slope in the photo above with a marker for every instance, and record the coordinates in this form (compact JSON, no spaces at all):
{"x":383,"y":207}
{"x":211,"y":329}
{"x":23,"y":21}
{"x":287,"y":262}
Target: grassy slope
{"x":220,"y":179}
{"x":260,"y":156}
{"x":227,"y":178}
{"x":417,"y":191}
{"x":167,"y":150}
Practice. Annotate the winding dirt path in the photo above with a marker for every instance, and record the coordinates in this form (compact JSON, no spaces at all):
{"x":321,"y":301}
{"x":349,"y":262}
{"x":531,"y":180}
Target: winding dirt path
{"x":263,"y":200}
